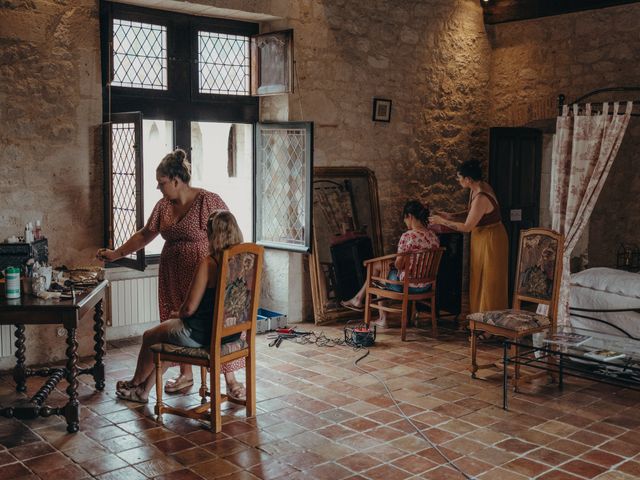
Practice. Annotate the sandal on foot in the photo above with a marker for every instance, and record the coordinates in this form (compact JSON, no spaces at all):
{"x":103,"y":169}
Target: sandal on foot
{"x":351,"y":306}
{"x":125,"y":384}
{"x":236,"y":393}
{"x":131,"y":395}
{"x":177,"y":384}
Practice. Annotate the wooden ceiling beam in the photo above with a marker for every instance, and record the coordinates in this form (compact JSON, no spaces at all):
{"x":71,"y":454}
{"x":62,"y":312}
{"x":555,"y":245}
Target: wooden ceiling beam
{"x":502,"y":11}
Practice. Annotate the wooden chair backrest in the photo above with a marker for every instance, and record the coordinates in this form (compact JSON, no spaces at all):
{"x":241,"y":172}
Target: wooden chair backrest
{"x":238,"y":292}
{"x":539,"y":269}
{"x":422,"y":265}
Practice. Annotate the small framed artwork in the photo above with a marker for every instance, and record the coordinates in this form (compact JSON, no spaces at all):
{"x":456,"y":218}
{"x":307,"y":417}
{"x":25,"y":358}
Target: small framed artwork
{"x":381,"y":110}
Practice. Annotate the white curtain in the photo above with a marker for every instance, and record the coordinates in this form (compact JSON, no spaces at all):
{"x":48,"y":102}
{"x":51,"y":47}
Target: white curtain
{"x":584,"y":148}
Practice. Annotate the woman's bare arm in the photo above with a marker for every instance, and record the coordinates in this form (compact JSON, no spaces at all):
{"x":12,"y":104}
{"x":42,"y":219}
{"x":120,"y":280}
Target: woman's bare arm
{"x":137,"y":241}
{"x":479,"y":206}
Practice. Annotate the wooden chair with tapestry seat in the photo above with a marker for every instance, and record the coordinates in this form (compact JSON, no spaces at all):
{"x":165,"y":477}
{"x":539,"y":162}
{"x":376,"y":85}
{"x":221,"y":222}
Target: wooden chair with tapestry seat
{"x":421,"y":268}
{"x":538,"y":275}
{"x":235,"y":311}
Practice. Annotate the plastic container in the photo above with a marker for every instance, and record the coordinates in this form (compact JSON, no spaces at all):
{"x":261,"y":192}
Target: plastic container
{"x":37,"y":232}
{"x":273,"y":319}
{"x":12,"y":279}
{"x":262,"y":324}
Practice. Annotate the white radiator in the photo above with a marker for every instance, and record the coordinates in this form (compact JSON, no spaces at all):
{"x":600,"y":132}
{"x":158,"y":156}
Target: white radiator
{"x":134,"y":301}
{"x":7,"y":340}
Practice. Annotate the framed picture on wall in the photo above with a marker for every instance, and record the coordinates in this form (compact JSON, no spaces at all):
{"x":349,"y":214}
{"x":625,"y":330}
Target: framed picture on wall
{"x":381,"y":110}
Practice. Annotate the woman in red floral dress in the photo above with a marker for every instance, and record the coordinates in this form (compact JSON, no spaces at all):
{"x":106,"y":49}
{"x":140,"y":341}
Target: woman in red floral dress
{"x":180,"y":217}
{"x":417,"y":237}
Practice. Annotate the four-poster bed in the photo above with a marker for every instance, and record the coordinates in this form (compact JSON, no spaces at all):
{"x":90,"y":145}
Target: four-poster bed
{"x":600,"y":299}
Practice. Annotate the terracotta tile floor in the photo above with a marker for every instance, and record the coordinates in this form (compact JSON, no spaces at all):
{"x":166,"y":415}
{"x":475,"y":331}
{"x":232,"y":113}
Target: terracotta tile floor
{"x":319,"y":418}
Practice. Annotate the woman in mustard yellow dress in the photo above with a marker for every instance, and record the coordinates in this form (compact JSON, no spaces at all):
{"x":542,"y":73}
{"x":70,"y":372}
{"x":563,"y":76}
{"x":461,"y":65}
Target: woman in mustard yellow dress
{"x":489,"y":258}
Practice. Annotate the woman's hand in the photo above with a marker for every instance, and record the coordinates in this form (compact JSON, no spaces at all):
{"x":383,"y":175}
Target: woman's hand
{"x":437,"y":219}
{"x":107,"y":255}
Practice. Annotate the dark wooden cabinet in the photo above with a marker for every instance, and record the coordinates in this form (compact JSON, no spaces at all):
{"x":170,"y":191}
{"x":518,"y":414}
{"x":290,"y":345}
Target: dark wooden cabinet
{"x":347,"y":258}
{"x":449,"y":287}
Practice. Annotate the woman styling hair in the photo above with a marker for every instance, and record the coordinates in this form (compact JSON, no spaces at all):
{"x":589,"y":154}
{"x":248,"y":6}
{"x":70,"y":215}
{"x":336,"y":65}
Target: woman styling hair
{"x":488,"y":279}
{"x":180,"y":217}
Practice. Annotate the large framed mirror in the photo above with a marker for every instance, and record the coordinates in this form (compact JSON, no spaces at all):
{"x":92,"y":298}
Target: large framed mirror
{"x":346,"y":231}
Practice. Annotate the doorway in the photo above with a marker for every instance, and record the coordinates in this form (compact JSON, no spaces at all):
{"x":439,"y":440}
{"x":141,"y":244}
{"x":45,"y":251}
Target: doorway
{"x":514,"y":173}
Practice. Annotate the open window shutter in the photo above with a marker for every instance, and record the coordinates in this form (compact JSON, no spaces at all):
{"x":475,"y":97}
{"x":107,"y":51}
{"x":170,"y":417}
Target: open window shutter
{"x":272,"y":63}
{"x":124,"y":212}
{"x":284,"y":169}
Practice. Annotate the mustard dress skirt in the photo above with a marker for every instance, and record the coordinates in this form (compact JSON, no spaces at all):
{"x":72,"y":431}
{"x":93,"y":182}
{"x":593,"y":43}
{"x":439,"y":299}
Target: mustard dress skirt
{"x":489,"y":272}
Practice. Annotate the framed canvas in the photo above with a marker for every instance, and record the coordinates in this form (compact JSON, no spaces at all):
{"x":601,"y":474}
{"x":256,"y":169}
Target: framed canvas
{"x":381,"y":110}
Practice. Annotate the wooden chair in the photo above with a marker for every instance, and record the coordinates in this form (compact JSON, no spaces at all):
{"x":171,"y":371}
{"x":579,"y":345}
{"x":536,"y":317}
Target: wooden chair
{"x":236,"y":307}
{"x":538,"y":275}
{"x":421,"y":268}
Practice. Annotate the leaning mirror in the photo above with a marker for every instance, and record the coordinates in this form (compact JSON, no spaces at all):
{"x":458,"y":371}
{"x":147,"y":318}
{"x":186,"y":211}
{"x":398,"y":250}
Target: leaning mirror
{"x":346,"y":231}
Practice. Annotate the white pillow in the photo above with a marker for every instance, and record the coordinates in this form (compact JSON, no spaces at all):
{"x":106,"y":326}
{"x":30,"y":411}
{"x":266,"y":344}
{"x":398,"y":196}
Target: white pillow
{"x":609,"y":280}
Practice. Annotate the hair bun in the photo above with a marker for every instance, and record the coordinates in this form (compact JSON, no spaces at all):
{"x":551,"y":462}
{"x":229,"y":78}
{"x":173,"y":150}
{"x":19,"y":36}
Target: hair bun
{"x":179,"y":154}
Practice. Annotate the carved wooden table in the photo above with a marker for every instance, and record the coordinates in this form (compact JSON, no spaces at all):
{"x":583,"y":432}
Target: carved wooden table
{"x":30,"y":310}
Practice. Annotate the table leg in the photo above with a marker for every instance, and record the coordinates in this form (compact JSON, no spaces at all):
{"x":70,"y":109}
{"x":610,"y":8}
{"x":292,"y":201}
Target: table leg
{"x":72,"y":409}
{"x":98,"y":328}
{"x":20,"y":372}
{"x":505,"y":375}
{"x":560,"y":367}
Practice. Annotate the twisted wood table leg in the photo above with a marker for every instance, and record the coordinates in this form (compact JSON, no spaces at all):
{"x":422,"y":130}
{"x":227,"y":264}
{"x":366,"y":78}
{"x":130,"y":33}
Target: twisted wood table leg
{"x":72,"y":408}
{"x":20,"y":372}
{"x":98,"y":328}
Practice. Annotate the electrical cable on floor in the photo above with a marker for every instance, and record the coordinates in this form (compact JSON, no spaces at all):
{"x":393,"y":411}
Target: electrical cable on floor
{"x":322,"y":340}
{"x":407,"y":418}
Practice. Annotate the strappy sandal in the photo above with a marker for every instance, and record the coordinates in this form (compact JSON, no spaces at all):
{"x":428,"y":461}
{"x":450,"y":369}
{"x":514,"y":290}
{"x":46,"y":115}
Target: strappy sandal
{"x":125,"y":385}
{"x":351,"y":306}
{"x":131,"y":395}
{"x":236,"y":393}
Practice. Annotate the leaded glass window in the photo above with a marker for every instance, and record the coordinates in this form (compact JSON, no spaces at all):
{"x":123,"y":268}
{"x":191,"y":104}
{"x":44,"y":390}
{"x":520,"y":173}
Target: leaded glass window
{"x":139,"y":55}
{"x":124,"y":200}
{"x":283,"y":185}
{"x":223,"y":63}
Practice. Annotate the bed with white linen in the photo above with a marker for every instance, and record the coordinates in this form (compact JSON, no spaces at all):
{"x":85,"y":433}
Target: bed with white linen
{"x":595,"y":292}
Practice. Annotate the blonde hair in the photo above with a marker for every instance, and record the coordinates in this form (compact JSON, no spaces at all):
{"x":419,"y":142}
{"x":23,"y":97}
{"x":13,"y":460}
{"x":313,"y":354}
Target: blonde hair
{"x":223,"y":232}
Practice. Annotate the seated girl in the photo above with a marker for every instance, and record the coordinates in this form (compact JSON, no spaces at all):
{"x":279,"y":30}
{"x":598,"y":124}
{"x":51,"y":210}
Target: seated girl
{"x":417,"y":237}
{"x":193,"y":323}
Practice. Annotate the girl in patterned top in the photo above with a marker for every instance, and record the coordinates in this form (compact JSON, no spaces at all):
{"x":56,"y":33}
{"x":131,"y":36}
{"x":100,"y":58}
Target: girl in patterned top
{"x":417,"y":237}
{"x":180,"y":217}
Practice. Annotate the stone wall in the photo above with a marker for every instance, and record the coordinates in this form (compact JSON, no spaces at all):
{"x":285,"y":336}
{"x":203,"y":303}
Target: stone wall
{"x":616,"y":218}
{"x":50,"y":112}
{"x":533,"y":61}
{"x":429,"y":58}
{"x":50,"y":104}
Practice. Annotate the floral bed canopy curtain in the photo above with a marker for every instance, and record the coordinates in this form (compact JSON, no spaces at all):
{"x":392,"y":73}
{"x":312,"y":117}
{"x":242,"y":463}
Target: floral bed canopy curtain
{"x":584,"y":147}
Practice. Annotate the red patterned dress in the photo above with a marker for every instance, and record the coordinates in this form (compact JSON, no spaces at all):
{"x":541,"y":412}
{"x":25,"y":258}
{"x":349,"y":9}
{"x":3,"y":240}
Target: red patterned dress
{"x":186,"y":244}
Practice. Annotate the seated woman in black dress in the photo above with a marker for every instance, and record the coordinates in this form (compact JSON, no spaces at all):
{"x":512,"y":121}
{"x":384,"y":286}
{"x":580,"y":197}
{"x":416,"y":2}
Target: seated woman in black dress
{"x":192,"y":325}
